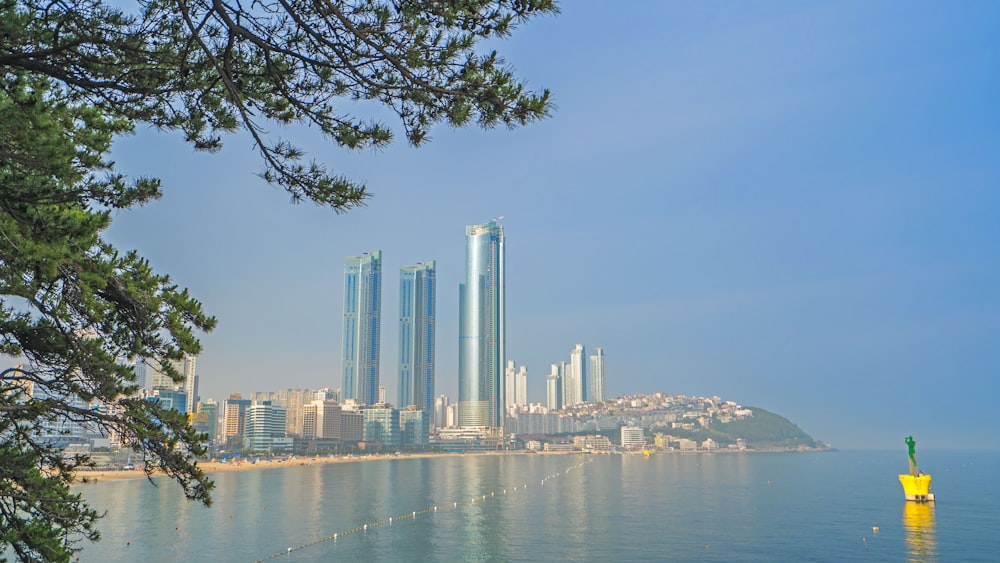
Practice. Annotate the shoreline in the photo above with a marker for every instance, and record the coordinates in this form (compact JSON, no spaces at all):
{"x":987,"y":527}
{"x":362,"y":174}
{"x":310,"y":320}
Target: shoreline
{"x":90,"y":477}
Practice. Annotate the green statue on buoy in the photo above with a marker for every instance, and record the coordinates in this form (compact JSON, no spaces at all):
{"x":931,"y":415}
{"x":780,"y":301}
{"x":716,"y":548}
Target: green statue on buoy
{"x":916,"y":485}
{"x":911,"y":444}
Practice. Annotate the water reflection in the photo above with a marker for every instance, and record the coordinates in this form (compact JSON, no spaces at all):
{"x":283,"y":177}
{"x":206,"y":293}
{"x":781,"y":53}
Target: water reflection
{"x":918,"y":522}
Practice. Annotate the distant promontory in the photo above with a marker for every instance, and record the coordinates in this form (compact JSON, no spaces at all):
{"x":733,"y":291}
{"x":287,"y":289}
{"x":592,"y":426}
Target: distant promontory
{"x":684,"y":423}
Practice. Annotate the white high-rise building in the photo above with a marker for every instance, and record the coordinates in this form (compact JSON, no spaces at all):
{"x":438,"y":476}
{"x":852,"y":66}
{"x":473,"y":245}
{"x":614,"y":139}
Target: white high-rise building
{"x":158,"y":378}
{"x":441,"y":411}
{"x":190,"y":382}
{"x":516,"y":383}
{"x":522,"y":387}
{"x":554,"y":389}
{"x":510,"y":385}
{"x":265,"y":428}
{"x":327,"y":419}
{"x":578,"y":365}
{"x":632,"y":437}
{"x":596,"y":377}
{"x":141,"y":373}
{"x":569,"y":395}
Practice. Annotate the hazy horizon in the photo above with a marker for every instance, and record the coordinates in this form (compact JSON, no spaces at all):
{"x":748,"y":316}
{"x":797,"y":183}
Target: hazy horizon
{"x":788,"y":205}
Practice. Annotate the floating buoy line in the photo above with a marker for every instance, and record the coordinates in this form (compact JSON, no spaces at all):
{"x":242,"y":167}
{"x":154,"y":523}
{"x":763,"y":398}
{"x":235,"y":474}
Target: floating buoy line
{"x":413,"y":514}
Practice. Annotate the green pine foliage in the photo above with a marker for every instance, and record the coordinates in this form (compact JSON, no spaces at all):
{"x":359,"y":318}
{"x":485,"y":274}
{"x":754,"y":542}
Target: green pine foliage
{"x":76,"y":74}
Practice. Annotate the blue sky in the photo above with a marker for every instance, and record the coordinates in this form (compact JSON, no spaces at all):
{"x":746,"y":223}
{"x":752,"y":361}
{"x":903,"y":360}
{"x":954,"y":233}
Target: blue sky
{"x":790,"y":205}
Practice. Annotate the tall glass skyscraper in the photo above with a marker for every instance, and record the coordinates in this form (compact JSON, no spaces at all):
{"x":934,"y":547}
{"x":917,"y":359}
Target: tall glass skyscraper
{"x":481,"y":329}
{"x":417,"y":307}
{"x":362,"y":327}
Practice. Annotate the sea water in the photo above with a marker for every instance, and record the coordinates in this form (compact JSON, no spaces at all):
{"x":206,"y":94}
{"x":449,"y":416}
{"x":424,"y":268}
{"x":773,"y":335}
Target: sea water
{"x":814,"y":506}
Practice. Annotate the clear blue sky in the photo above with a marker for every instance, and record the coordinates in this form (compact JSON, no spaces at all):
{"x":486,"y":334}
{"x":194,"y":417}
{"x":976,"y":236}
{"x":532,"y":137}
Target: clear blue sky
{"x":787,"y":204}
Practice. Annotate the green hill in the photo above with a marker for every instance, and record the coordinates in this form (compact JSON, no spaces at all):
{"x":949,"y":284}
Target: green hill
{"x":763,"y":430}
{"x":766,"y":429}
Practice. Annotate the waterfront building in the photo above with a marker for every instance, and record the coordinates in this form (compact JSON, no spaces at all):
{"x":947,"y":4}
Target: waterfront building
{"x":381,"y":424}
{"x":308,"y":421}
{"x":211,"y":409}
{"x":417,"y":313}
{"x":352,"y":425}
{"x":414,"y":425}
{"x":578,"y":366}
{"x":632,"y":437}
{"x":595,"y":393}
{"x":321,"y":419}
{"x":595,"y":443}
{"x":234,"y":420}
{"x":265,"y":428}
{"x":662,"y":441}
{"x":482,"y":329}
{"x":362,"y":327}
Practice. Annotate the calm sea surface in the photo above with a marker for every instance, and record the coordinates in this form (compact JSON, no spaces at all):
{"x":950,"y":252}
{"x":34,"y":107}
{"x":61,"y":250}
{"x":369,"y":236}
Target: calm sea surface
{"x":669,"y":507}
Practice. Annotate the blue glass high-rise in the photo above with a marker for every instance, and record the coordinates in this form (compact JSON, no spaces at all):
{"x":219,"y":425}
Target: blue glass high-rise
{"x":417,"y":310}
{"x":482,"y":329}
{"x":362,"y":327}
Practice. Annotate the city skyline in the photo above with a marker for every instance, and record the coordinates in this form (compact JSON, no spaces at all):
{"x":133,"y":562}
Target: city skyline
{"x":790,"y":205}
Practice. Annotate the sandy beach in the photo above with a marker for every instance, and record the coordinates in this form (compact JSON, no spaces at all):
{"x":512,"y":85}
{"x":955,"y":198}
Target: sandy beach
{"x":86,"y":477}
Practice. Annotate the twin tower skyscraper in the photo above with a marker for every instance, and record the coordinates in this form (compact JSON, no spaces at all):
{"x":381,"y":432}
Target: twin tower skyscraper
{"x":482,"y":330}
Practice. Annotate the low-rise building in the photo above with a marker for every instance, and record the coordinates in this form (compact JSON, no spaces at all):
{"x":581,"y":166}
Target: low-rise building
{"x":632,"y":437}
{"x":597,"y":443}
